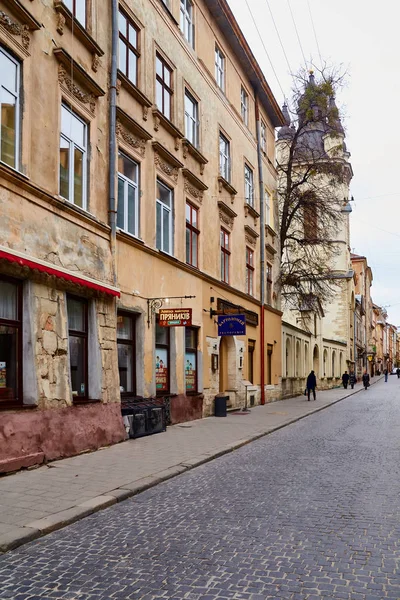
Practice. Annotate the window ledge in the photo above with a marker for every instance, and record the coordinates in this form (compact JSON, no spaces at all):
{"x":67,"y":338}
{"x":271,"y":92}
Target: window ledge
{"x":270,"y":249}
{"x":251,"y":210}
{"x":133,"y":90}
{"x":129,"y":237}
{"x":78,"y":401}
{"x":79,"y":72}
{"x":224,"y":184}
{"x":11,"y":405}
{"x":169,"y":13}
{"x":189,"y":148}
{"x":23,"y":14}
{"x":161,"y":119}
{"x":79,"y":31}
{"x":271,"y":231}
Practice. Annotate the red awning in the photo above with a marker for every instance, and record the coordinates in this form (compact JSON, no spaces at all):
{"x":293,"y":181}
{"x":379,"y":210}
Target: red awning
{"x":60,"y":272}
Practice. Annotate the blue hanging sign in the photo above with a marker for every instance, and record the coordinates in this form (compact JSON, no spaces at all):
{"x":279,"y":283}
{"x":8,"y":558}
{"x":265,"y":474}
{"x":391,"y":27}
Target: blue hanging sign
{"x":231,"y":324}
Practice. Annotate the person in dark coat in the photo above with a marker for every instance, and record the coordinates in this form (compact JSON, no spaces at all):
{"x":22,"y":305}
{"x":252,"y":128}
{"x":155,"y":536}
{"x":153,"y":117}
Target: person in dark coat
{"x":311,"y":385}
{"x":386,"y":373}
{"x":345,"y":379}
{"x":398,"y":372}
{"x":365,"y":379}
{"x":353,"y":380}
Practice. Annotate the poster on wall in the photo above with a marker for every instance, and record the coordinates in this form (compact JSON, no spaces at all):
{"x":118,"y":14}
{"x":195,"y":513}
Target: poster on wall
{"x":162,"y":370}
{"x":3,"y":375}
{"x":190,"y":371}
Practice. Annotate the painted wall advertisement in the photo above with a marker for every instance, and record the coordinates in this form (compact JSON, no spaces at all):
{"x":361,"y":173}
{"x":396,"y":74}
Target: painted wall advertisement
{"x":162,"y":370}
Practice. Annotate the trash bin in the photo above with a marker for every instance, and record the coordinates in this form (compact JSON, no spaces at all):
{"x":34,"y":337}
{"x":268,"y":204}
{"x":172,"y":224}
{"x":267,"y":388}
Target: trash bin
{"x":220,"y":406}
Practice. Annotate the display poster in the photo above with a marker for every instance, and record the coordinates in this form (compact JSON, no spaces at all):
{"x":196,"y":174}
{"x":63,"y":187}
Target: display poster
{"x":3,"y":375}
{"x":161,"y":370}
{"x":190,"y":371}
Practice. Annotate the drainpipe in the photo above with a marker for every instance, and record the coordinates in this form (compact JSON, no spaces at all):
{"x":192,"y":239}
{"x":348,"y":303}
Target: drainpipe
{"x":262,"y":247}
{"x":112,"y":133}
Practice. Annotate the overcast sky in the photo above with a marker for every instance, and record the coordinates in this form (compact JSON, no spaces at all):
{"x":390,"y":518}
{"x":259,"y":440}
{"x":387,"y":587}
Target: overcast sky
{"x":365,"y":39}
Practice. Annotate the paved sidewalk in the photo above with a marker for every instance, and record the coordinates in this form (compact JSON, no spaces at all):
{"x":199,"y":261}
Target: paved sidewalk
{"x":36,"y":502}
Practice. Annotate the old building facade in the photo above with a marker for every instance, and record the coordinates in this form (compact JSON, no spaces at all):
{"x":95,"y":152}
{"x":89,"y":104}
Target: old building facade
{"x":364,"y":344}
{"x":194,"y":192}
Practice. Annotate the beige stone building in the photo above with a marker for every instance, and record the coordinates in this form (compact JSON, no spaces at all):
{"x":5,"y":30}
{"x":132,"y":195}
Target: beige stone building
{"x":364,"y":351}
{"x":90,"y":253}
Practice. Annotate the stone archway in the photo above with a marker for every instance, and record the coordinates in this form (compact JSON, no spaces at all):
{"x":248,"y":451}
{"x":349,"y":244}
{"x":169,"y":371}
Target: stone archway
{"x":316,"y":360}
{"x":227,"y":363}
{"x":288,"y":358}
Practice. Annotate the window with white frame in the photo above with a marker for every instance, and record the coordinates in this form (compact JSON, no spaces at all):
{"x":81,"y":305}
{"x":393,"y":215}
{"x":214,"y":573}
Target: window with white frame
{"x":267,"y":208}
{"x":164,"y":221}
{"x":224,"y":157}
{"x":244,"y":106}
{"x":263,"y":136}
{"x":78,"y":9}
{"x":191,"y":119}
{"x":219,"y":68}
{"x":9,"y":109}
{"x":128,"y":197}
{"x":73,"y":158}
{"x":187,"y":24}
{"x":248,"y":185}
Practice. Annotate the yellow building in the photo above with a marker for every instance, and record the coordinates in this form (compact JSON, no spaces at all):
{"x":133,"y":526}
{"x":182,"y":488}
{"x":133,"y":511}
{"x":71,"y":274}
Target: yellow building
{"x":89,"y":252}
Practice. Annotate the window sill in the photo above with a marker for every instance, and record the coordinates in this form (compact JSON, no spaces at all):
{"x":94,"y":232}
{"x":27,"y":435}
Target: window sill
{"x":129,"y":236}
{"x":224,"y":183}
{"x":79,"y":31}
{"x":169,"y":13}
{"x":24,"y":16}
{"x":79,"y":74}
{"x":133,"y":90}
{"x":249,"y":209}
{"x":161,"y":119}
{"x":271,"y":231}
{"x":79,"y":401}
{"x":189,"y":148}
{"x":16,"y":406}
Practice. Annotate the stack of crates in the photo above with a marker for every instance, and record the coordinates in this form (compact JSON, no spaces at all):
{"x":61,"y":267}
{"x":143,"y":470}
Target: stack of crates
{"x":144,"y":416}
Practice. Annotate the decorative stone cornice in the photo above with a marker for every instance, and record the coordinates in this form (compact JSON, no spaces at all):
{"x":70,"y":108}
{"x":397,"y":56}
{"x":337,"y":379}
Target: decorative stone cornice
{"x":228,"y":221}
{"x":16,"y":29}
{"x":224,"y":184}
{"x":250,"y":240}
{"x":226,"y":214}
{"x":65,"y":80}
{"x":193,"y":191}
{"x":165,"y":167}
{"x":131,"y":139}
{"x":193,"y":185}
{"x":251,"y":235}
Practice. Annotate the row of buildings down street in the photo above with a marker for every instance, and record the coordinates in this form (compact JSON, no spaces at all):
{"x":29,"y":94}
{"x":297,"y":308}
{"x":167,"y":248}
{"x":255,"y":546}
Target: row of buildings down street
{"x":138,"y":174}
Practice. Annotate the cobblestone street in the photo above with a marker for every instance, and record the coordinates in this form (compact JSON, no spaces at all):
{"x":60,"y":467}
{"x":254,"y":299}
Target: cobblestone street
{"x":310,"y":511}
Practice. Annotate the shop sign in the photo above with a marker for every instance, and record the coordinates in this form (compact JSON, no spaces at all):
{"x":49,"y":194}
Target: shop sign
{"x":231,"y":325}
{"x":175,"y":317}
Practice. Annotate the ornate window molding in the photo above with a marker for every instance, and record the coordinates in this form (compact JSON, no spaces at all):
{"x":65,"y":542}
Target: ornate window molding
{"x":223,"y":184}
{"x":160,"y":119}
{"x":251,"y":236}
{"x":193,"y":185}
{"x":188,"y":148}
{"x":226,"y":214}
{"x":166,"y":162}
{"x":22,"y":29}
{"x":131,"y":132}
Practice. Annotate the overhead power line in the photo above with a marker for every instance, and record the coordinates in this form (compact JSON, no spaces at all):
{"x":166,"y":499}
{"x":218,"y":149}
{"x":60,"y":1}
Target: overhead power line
{"x":315,"y":33}
{"x":279,"y":37}
{"x":297,"y":33}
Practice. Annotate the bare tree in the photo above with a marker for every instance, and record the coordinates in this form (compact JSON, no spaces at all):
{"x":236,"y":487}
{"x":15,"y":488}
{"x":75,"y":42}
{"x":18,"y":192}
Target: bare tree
{"x":314,"y":174}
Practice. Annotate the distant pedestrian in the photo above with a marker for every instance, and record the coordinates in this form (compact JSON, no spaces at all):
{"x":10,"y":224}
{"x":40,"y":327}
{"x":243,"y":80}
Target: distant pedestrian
{"x":365,"y":379}
{"x":345,"y":379}
{"x":311,"y":385}
{"x":398,"y":373}
{"x":353,"y":380}
{"x":386,"y":373}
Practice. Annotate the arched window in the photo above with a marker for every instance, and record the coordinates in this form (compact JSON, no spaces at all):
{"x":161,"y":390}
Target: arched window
{"x":298,"y":365}
{"x":333,"y":364}
{"x":325,"y":362}
{"x":288,"y":359}
{"x":306,"y":365}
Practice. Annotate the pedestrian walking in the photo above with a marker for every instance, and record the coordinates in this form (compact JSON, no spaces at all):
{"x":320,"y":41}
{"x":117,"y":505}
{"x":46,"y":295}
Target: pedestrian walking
{"x":398,"y":373}
{"x":386,"y":373}
{"x":311,"y":385}
{"x":353,"y":380}
{"x":345,"y":379}
{"x":365,"y":379}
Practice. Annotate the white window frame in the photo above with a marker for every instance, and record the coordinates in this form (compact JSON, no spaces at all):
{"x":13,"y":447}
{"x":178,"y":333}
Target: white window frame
{"x":70,"y":5}
{"x":169,"y":210}
{"x":263,"y":136}
{"x":187,"y":21}
{"x":249,"y":185}
{"x":73,"y":145}
{"x":17,"y":107}
{"x":219,"y":68}
{"x":128,"y":182}
{"x":225,"y":158}
{"x":268,"y":198}
{"x":244,"y":106}
{"x":192,"y":120}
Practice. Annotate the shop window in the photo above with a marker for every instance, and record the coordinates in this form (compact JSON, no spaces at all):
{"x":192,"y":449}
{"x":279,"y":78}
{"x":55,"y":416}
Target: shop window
{"x":128,"y":197}
{"x":224,"y":157}
{"x":250,"y":349}
{"x":79,"y":10}
{"x":164,"y":218}
{"x":187,"y":24}
{"x":126,"y":353}
{"x":191,"y":119}
{"x":78,"y":346}
{"x":162,"y":359}
{"x":249,"y":271}
{"x":219,"y":68}
{"x":269,"y":284}
{"x":192,"y":235}
{"x":73,"y":158}
{"x":9,"y":109}
{"x":244,"y":106}
{"x":163,"y":87}
{"x":249,"y":185}
{"x":10,"y":341}
{"x":191,"y":359}
{"x":225,"y":256}
{"x":128,"y":50}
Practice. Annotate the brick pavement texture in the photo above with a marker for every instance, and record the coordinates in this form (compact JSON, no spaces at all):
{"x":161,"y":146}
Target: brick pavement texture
{"x":36,"y":502}
{"x":308,"y":512}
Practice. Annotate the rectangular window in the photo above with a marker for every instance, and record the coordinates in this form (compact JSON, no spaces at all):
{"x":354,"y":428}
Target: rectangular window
{"x":162,"y":359}
{"x":128,"y":197}
{"x":187,"y":25}
{"x":128,"y":49}
{"x":77,"y":309}
{"x":191,"y":119}
{"x":10,"y":341}
{"x":267,"y":208}
{"x":225,"y":255}
{"x":224,"y":157}
{"x":192,"y":235}
{"x":269,"y":284}
{"x":78,"y":9}
{"x":73,"y":158}
{"x":164,"y":221}
{"x":263,"y":137}
{"x":163,"y":87}
{"x":191,"y":359}
{"x":248,"y":185}
{"x":9,"y":109}
{"x":269,"y":364}
{"x":244,"y":106}
{"x":126,"y":353}
{"x":249,"y":271}
{"x":219,"y":68}
{"x":250,"y":349}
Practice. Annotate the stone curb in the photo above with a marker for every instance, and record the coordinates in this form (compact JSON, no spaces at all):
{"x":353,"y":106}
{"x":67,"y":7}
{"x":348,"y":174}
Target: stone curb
{"x":36,"y":529}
